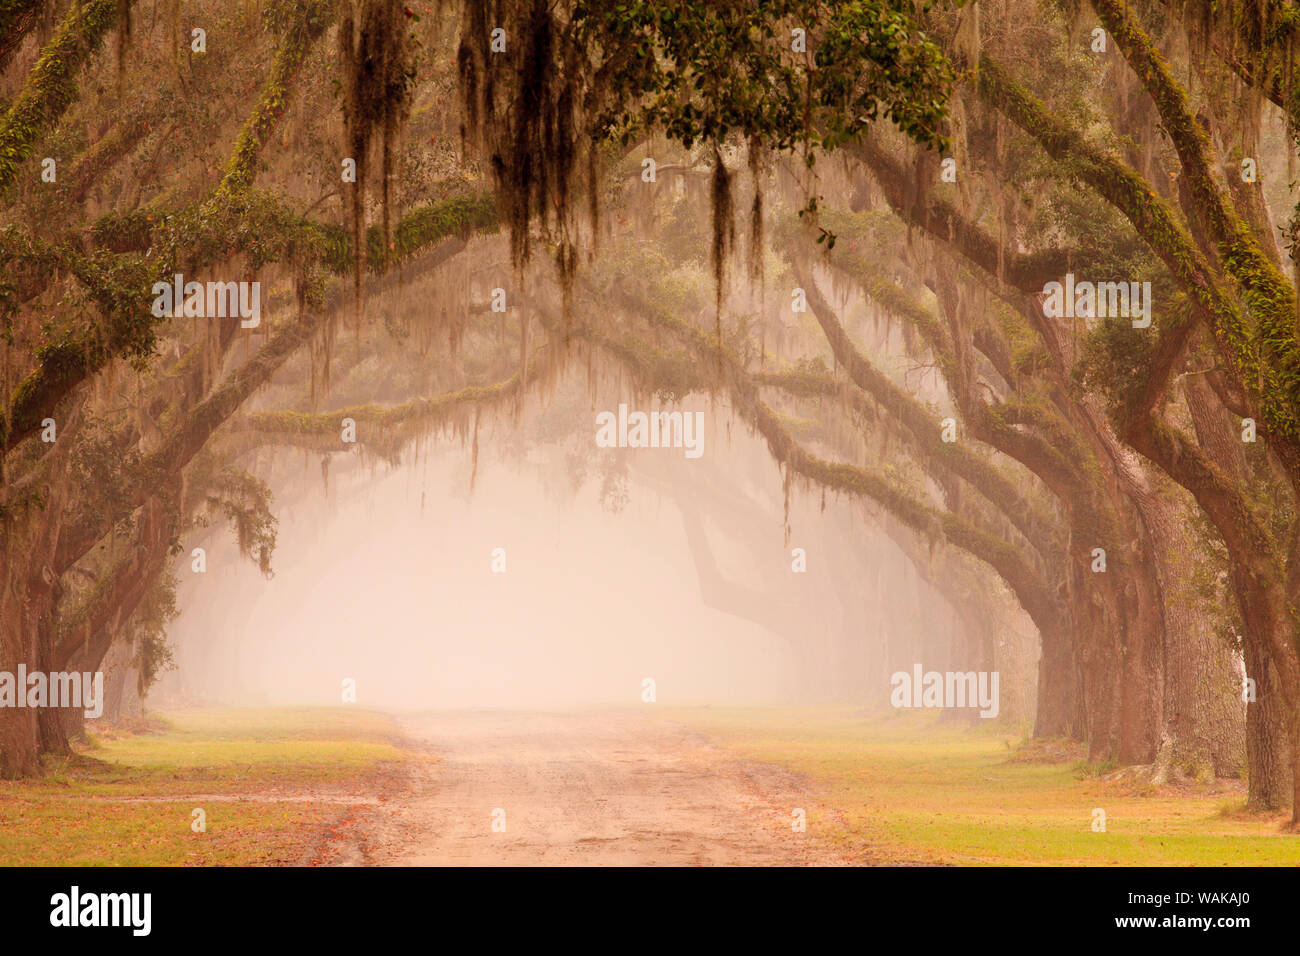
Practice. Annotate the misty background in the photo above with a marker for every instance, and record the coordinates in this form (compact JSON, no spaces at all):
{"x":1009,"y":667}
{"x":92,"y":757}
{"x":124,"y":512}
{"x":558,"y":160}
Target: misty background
{"x":384,"y":574}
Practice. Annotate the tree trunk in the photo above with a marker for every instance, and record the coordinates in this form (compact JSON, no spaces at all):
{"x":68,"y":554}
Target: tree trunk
{"x":50,"y":719}
{"x":19,"y":733}
{"x":1267,"y":761}
{"x":1058,"y":711}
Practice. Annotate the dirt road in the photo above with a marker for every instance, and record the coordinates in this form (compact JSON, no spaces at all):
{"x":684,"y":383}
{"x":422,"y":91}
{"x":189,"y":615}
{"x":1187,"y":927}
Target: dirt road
{"x":592,"y":788}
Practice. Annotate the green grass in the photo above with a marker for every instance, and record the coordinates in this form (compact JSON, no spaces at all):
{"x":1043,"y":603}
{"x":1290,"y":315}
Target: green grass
{"x":111,"y":804}
{"x":904,"y":788}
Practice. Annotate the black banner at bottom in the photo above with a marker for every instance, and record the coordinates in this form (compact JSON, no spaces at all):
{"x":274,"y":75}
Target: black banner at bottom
{"x":137,"y":906}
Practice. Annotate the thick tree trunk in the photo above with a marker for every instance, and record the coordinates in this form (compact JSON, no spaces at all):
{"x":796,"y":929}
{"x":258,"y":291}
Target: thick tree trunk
{"x":1110,"y":659}
{"x":1203,"y":716}
{"x":972,"y":651}
{"x":1059,"y":712}
{"x":1204,"y":713}
{"x":117,"y":671}
{"x":50,"y":719}
{"x":1267,"y":751}
{"x":1268,"y":762}
{"x":18,"y":727}
{"x":1145,"y":675}
{"x":19,"y":732}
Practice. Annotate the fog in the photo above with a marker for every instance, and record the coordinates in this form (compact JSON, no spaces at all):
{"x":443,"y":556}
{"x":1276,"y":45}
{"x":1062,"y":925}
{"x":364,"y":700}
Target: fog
{"x":706,"y":570}
{"x":387,"y":578}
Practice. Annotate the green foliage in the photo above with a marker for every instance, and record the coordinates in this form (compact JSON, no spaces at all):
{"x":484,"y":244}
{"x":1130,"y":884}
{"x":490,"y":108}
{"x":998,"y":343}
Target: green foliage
{"x":100,"y":462}
{"x":148,"y":631}
{"x":426,"y":224}
{"x":52,"y":87}
{"x":123,"y":232}
{"x":575,"y":77}
{"x":702,"y":71}
{"x":300,"y":23}
{"x":245,"y":501}
{"x":1116,"y":359}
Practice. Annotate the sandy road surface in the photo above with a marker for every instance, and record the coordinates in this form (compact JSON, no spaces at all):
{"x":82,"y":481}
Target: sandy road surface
{"x":592,"y":788}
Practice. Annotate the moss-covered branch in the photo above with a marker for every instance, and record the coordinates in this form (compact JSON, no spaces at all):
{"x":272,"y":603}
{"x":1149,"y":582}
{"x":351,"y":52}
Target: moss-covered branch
{"x":51,"y":86}
{"x":276,"y":94}
{"x":1255,"y":563}
{"x":924,"y":428}
{"x":129,"y":325}
{"x":195,"y":426}
{"x":1267,"y":294}
{"x":1006,"y":559}
{"x":89,"y":630}
{"x":1025,"y":271}
{"x":17,"y":17}
{"x":1157,"y":224}
{"x":415,"y":231}
{"x":1051,"y":452}
{"x":1255,"y":39}
{"x":387,"y":425}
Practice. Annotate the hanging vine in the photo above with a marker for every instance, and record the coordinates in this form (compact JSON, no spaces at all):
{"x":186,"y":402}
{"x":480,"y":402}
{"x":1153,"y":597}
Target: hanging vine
{"x":378,"y":66}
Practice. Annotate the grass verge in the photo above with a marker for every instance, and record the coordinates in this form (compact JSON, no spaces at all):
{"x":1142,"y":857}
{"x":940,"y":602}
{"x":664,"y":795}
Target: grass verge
{"x":275,"y":786}
{"x":905,"y":788}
